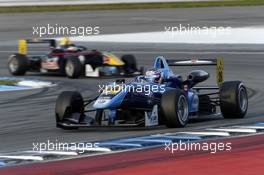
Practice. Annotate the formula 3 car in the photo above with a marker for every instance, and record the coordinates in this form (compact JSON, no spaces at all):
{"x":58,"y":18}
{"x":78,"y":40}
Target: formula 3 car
{"x":160,"y":97}
{"x":71,"y":60}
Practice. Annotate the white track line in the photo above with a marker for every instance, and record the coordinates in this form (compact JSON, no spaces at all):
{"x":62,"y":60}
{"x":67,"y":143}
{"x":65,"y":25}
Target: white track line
{"x":240,"y":130}
{"x":65,"y":153}
{"x":147,"y":140}
{"x":245,"y":35}
{"x":172,"y":52}
{"x":120,"y":143}
{"x":252,"y":127}
{"x":23,"y":157}
{"x":98,"y":149}
{"x":190,"y":52}
{"x":177,"y":136}
{"x":202,"y":133}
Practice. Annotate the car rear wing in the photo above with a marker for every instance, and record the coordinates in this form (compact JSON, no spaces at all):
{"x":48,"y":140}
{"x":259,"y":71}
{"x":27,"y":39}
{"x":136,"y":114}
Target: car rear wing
{"x":219,"y":63}
{"x":23,"y":43}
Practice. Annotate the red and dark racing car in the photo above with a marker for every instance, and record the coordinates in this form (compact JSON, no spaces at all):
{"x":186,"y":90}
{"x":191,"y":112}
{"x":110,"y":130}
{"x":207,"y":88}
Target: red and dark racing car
{"x":70,"y":60}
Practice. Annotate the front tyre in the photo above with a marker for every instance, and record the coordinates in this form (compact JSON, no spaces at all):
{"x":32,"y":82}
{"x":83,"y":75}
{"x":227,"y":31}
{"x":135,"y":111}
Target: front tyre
{"x":69,"y":107}
{"x":174,"y":106}
{"x":73,"y":67}
{"x":233,"y":99}
{"x":18,"y":64}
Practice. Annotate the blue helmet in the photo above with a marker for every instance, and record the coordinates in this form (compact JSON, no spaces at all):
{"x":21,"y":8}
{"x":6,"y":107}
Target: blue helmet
{"x":154,"y":75}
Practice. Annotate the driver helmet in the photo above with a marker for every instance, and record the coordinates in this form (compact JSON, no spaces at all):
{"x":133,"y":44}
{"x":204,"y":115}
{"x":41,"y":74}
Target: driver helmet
{"x":72,"y":49}
{"x":65,"y":42}
{"x":154,"y":75}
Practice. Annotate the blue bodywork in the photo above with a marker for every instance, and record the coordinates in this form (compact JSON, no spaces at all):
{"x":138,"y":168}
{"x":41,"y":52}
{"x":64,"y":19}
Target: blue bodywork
{"x":123,"y":96}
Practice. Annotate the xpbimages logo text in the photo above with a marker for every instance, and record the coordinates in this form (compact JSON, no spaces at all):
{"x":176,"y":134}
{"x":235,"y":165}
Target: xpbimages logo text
{"x":188,"y":29}
{"x":147,"y":89}
{"x":211,"y":147}
{"x":62,"y":146}
{"x":62,"y":30}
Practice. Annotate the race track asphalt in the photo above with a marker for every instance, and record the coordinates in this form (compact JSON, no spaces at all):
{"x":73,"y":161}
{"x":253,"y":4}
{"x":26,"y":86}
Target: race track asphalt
{"x":28,"y":116}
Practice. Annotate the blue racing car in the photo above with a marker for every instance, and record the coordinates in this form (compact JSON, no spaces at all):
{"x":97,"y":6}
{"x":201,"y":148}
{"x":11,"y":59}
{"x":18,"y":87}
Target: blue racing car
{"x":160,"y":97}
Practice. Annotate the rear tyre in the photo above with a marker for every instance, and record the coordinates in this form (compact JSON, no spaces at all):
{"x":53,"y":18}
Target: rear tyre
{"x":18,"y":64}
{"x":68,"y":103}
{"x":174,"y":107}
{"x":130,"y":63}
{"x":233,"y":99}
{"x":73,"y":67}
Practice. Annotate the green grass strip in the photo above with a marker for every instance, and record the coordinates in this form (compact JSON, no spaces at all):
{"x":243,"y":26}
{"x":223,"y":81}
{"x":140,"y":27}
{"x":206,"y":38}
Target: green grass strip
{"x":125,"y":6}
{"x":8,"y":82}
